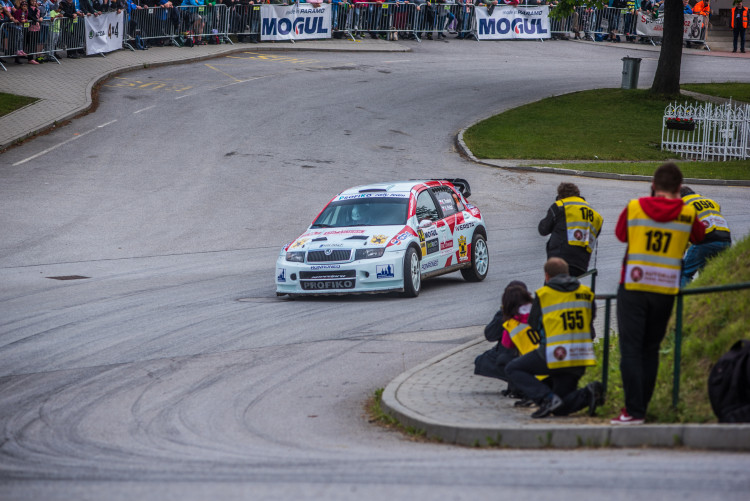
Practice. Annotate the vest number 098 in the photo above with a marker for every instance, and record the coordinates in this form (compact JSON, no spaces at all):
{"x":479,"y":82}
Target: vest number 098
{"x":572,"y":320}
{"x":658,"y":241}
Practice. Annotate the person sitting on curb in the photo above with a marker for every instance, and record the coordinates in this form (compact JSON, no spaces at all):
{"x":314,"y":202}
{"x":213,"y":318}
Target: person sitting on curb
{"x":562,"y":314}
{"x":510,"y":329}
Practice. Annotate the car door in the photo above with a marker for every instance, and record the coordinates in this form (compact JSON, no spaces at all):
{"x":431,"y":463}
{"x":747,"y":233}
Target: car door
{"x":428,"y":215}
{"x":446,"y":224}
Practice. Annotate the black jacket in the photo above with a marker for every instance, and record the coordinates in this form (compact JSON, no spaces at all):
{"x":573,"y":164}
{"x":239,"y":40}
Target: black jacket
{"x":557,"y":246}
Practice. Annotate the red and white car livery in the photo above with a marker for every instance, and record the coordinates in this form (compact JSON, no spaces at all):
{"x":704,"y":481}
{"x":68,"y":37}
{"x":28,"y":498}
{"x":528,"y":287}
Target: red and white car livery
{"x":387,"y":237}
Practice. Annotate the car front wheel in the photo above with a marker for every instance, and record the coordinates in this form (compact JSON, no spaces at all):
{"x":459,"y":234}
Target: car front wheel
{"x":480,"y":260}
{"x":412,"y":273}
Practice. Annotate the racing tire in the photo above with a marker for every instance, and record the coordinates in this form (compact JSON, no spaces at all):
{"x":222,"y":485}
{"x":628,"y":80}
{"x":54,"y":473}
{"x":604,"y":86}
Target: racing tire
{"x":480,"y":260}
{"x":412,"y":273}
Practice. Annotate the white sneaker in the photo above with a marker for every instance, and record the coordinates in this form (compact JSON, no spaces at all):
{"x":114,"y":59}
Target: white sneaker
{"x":625,"y":418}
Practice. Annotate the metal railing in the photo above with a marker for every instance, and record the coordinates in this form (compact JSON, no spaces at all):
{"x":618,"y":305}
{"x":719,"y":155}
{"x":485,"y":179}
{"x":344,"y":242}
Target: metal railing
{"x":677,"y":335}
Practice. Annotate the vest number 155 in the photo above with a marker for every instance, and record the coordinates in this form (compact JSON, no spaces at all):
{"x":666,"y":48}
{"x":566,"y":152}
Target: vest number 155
{"x":572,"y":320}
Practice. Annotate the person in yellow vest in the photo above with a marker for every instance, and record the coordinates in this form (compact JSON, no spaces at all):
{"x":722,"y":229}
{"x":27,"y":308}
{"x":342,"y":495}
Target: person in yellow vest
{"x":510,"y":320}
{"x":739,"y":24}
{"x":657,"y":230}
{"x":573,"y":226}
{"x":717,"y":239}
{"x":562,"y":314}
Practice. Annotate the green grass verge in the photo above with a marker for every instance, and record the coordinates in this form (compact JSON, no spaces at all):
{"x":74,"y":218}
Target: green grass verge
{"x":737,"y":91}
{"x":11,"y":102}
{"x":604,"y":124}
{"x":712,"y":323}
{"x":615,"y":125}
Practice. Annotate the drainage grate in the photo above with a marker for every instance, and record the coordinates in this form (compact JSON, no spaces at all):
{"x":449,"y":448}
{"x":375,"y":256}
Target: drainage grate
{"x":69,"y":277}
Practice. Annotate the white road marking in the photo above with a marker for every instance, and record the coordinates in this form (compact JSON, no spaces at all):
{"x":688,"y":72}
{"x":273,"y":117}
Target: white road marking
{"x":144,"y":109}
{"x":44,"y":152}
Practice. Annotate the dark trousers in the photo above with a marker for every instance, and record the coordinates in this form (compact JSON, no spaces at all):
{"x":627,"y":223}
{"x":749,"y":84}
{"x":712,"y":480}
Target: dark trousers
{"x":738,"y":32}
{"x":522,"y":374}
{"x":642,"y":319}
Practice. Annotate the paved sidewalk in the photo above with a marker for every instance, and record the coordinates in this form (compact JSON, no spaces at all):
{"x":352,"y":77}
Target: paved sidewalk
{"x":65,"y":89}
{"x":444,"y":398}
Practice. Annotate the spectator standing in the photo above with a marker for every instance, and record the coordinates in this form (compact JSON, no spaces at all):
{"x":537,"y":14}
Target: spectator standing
{"x":34,"y":33}
{"x":656,"y":230}
{"x":703,"y":8}
{"x":573,"y":226}
{"x":69,"y":11}
{"x":562,"y":314}
{"x":686,"y":8}
{"x":717,"y":239}
{"x":739,"y":24}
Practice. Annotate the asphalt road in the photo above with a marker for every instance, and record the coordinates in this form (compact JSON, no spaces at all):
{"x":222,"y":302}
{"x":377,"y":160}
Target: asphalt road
{"x":173,"y":371}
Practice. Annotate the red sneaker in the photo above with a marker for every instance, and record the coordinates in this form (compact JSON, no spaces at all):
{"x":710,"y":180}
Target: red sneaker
{"x":625,"y":418}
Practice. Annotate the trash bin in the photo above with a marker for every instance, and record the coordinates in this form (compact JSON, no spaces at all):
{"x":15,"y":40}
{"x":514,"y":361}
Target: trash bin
{"x":630,"y":68}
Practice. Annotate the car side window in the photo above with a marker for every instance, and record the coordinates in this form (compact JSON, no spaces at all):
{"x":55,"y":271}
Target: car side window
{"x":426,"y":208}
{"x":445,"y":200}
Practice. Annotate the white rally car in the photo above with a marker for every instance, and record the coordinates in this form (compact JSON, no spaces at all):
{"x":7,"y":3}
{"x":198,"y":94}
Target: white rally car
{"x":387,"y":237}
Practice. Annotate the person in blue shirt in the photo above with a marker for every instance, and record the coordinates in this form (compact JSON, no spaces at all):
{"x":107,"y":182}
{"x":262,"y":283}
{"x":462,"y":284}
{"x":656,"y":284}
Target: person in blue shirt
{"x":686,"y":8}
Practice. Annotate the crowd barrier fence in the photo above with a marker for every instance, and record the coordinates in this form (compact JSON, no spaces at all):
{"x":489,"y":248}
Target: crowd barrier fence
{"x":390,"y":19}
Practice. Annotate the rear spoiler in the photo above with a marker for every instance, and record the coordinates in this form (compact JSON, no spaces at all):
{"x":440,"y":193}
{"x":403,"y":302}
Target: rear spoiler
{"x":462,"y":185}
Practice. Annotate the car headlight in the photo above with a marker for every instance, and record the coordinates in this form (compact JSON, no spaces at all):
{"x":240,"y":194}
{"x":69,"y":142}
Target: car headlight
{"x":369,"y":253}
{"x":297,"y":257}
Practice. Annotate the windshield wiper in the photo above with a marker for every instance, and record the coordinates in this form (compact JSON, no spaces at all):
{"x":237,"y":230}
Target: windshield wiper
{"x":320,"y":225}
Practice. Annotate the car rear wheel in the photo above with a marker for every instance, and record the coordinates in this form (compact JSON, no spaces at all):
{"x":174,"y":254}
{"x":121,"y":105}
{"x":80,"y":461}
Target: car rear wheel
{"x":480,"y":260}
{"x":412,"y":273}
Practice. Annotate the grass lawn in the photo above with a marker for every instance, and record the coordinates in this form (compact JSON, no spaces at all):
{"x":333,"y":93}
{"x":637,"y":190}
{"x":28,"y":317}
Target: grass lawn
{"x":737,"y":91}
{"x":603,"y":124}
{"x":11,"y":102}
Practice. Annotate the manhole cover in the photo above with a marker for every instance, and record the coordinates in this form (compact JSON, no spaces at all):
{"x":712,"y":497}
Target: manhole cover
{"x":69,"y":277}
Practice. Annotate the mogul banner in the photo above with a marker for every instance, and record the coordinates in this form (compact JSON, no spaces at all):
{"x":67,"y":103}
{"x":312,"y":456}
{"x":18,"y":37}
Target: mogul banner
{"x":647,"y":26}
{"x":513,"y":22}
{"x":104,"y":33}
{"x":295,"y":22}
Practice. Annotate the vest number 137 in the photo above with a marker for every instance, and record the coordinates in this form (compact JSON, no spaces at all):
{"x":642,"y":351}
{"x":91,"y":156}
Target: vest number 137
{"x":658,"y":241}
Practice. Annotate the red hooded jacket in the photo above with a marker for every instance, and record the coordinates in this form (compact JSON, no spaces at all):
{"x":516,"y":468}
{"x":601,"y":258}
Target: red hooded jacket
{"x":659,"y":209}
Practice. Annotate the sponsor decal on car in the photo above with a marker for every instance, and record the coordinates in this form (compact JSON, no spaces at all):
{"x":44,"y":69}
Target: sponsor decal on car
{"x":372,"y":195}
{"x":281,"y":277}
{"x":325,"y":267}
{"x":446,"y":245}
{"x":399,"y":238}
{"x":464,"y":226}
{"x":299,"y":243}
{"x":329,"y":284}
{"x":343,"y":232}
{"x":462,"y":250}
{"x":384,"y":271}
{"x":426,"y":265}
{"x":378,"y":239}
{"x":432,"y":245}
{"x":323,"y":246}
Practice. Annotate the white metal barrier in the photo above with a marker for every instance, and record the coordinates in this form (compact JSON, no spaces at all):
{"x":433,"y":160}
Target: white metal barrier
{"x":707,"y":131}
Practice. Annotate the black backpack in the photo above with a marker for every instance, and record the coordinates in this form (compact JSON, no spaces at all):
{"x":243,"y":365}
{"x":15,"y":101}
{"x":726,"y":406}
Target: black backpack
{"x":729,"y":384}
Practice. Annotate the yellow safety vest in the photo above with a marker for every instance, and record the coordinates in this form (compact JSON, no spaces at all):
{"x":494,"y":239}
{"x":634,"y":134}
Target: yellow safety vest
{"x":709,"y":213}
{"x":654,"y":260}
{"x":566,"y":317}
{"x":524,"y":337}
{"x":583,"y":222}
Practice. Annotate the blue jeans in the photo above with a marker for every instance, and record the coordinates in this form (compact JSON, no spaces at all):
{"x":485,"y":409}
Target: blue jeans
{"x":696,"y":257}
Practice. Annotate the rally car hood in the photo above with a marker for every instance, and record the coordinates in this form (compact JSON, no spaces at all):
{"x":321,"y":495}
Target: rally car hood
{"x":350,"y":237}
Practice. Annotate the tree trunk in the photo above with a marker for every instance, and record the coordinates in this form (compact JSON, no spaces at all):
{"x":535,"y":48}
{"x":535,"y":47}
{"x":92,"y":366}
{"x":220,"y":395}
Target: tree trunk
{"x":667,"y":77}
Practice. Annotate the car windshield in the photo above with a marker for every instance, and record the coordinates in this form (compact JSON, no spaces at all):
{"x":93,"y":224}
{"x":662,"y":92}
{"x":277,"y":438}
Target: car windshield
{"x":363,"y":212}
